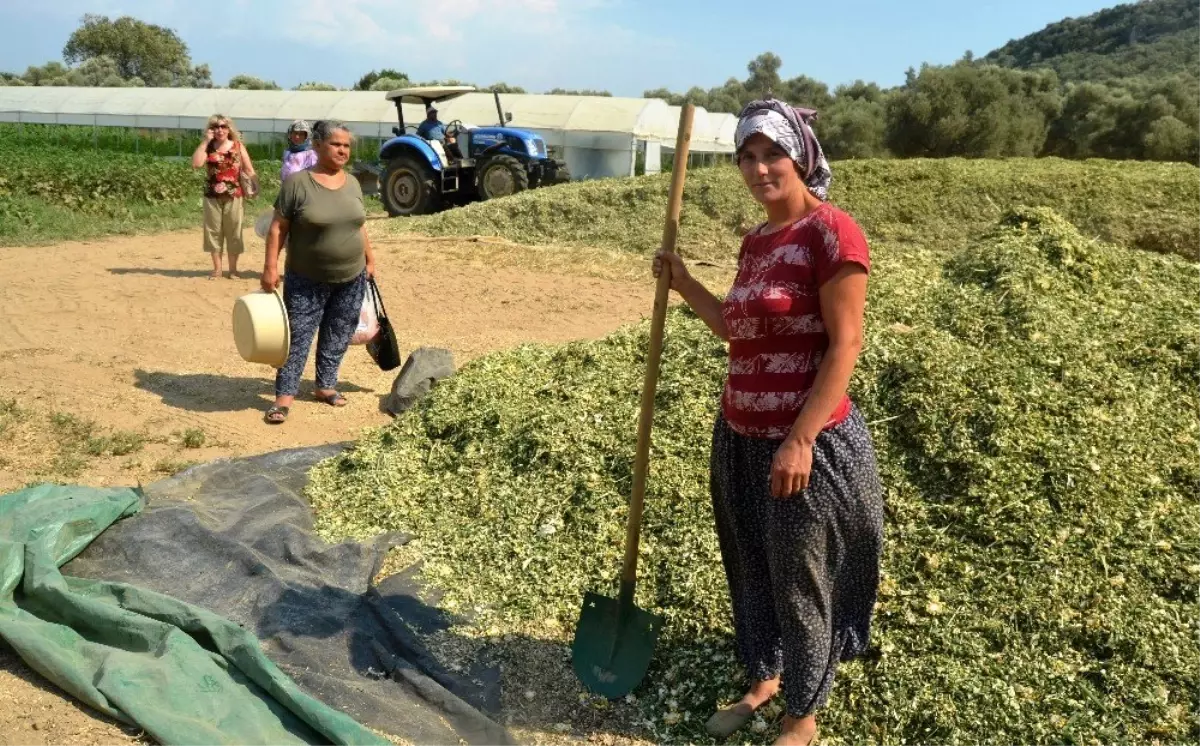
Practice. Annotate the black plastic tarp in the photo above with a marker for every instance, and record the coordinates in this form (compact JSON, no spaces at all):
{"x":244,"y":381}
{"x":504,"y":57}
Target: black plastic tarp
{"x":236,"y":537}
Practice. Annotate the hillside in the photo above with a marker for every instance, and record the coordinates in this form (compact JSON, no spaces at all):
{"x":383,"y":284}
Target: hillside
{"x":1156,"y":38}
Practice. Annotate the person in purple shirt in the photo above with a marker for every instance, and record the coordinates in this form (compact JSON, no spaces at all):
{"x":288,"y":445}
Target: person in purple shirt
{"x":300,"y":154}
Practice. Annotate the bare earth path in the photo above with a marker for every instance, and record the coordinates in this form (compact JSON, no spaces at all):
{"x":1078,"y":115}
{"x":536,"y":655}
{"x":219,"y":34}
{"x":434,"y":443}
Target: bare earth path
{"x":129,"y":333}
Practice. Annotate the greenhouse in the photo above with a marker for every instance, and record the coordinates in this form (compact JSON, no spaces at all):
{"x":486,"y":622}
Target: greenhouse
{"x":597,"y":136}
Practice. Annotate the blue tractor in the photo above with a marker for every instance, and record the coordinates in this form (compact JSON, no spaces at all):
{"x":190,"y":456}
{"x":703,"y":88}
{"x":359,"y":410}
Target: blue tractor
{"x":418,"y":176}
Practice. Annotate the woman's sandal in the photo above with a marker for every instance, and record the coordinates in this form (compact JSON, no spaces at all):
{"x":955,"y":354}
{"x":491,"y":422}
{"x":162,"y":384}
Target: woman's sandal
{"x":726,"y":721}
{"x":276,"y":415}
{"x":334,"y":400}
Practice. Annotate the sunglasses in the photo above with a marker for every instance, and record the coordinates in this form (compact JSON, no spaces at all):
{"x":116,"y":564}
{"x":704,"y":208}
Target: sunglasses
{"x":221,"y":126}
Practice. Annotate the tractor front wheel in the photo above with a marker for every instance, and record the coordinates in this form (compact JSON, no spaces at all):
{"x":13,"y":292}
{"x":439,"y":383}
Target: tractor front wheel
{"x":501,"y":176}
{"x":408,"y":188}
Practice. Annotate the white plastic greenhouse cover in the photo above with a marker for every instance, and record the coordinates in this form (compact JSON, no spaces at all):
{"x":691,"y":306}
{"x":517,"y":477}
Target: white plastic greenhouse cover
{"x":572,"y":121}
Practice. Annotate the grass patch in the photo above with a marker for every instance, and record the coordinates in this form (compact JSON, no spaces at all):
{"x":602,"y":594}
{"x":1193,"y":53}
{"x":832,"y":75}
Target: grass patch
{"x":934,"y":204}
{"x":193,"y":438}
{"x":10,"y":414}
{"x":120,"y":443}
{"x":69,"y":464}
{"x":79,"y":440}
{"x":71,"y":429}
{"x":172,"y":466}
{"x":1032,"y":399}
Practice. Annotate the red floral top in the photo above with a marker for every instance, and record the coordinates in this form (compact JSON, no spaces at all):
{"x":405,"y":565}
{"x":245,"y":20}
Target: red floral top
{"x":223,"y":172}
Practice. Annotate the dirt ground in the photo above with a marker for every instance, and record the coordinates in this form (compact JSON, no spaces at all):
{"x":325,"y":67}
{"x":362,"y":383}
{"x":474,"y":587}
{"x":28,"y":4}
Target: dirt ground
{"x":130,"y":334}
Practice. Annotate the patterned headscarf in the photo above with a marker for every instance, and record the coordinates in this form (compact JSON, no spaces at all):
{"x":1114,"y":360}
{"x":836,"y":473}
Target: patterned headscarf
{"x":788,"y":127}
{"x":299,"y":126}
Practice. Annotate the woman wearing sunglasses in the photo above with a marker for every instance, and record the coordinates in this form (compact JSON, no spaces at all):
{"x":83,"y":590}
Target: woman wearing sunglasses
{"x":225,"y":158}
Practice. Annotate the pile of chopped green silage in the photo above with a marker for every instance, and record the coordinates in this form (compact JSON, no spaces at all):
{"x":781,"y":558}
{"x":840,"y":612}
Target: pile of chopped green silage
{"x":934,"y":203}
{"x":1033,"y":401}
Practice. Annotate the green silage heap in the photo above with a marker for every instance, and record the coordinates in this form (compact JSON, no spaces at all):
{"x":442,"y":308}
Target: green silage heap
{"x":1033,"y":399}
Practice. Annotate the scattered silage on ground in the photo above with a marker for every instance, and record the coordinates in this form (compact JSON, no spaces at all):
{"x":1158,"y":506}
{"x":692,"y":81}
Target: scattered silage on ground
{"x":933,"y":203}
{"x":1033,"y":399}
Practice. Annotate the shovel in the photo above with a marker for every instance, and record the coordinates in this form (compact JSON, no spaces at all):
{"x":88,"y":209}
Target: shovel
{"x":614,"y":639}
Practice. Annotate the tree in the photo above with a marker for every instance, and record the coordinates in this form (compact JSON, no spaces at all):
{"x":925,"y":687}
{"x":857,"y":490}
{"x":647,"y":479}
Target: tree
{"x":311,"y":86}
{"x":764,"y":75}
{"x":504,"y":88}
{"x":251,"y":83}
{"x":390,"y":84}
{"x":101,"y":71}
{"x":576,"y":92}
{"x":804,"y":91}
{"x":52,"y":70}
{"x":367,"y":82}
{"x":442,"y":83}
{"x":972,"y":111}
{"x":763,"y":80}
{"x":1170,"y":140}
{"x":139,"y":50}
{"x":855,"y":124}
{"x":1086,"y":118}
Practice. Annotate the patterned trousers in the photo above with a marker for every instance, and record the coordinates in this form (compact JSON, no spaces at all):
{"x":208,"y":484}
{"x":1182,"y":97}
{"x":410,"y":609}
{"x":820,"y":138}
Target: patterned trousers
{"x":329,"y":310}
{"x":803,"y":571}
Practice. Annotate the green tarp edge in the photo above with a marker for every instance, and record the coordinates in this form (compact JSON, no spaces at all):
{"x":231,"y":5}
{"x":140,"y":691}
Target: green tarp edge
{"x":182,"y":674}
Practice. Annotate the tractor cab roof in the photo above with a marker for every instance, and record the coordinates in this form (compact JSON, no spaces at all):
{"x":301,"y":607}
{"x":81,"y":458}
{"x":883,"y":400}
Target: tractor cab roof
{"x":428,"y":94}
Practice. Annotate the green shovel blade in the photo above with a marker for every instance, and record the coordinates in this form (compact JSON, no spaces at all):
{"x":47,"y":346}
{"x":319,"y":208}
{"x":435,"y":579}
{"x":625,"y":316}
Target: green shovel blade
{"x":614,"y":642}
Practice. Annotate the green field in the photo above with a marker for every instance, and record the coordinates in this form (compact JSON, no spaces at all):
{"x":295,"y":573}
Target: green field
{"x":51,"y":192}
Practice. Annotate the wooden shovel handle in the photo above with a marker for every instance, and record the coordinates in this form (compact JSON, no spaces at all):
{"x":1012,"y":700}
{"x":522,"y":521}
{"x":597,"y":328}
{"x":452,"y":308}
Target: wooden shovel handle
{"x":641,"y":463}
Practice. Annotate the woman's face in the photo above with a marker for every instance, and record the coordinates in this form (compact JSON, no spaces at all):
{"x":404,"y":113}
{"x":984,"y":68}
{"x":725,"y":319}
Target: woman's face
{"x":221,"y":130}
{"x":768,"y":171}
{"x":335,"y":150}
{"x":298,"y":137}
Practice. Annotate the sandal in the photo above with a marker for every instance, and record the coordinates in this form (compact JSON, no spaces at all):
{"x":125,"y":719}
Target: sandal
{"x":276,"y":415}
{"x":726,"y":721}
{"x":335,"y":400}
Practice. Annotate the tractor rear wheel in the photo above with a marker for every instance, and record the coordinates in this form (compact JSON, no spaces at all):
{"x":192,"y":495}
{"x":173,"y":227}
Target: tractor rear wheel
{"x":501,"y":176}
{"x":408,"y":188}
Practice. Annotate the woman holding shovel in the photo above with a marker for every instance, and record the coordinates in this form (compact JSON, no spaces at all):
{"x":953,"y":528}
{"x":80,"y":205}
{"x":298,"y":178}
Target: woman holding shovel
{"x":795,"y":486}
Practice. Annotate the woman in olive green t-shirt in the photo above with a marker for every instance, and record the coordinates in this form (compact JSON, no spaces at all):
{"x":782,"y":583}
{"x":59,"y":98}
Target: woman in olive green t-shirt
{"x":320,"y":213}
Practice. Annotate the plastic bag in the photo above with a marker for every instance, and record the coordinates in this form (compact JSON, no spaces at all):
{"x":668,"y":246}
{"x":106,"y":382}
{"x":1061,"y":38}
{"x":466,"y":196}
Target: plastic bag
{"x":368,"y":320}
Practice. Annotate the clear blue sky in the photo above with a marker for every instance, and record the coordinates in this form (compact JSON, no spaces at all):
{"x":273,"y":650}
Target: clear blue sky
{"x":625,"y":46}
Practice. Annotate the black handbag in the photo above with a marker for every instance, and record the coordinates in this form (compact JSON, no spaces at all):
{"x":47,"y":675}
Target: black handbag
{"x":384,"y":349}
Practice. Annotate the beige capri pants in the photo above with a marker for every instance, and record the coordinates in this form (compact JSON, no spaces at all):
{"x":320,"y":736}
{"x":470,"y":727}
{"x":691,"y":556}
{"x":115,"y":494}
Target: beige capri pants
{"x":223,"y":225}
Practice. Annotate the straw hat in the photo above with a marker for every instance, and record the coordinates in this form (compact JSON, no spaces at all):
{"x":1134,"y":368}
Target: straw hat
{"x":260,"y":328}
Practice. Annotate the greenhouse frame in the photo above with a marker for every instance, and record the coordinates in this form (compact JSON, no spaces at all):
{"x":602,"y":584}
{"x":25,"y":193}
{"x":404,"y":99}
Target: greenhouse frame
{"x":598,"y":136}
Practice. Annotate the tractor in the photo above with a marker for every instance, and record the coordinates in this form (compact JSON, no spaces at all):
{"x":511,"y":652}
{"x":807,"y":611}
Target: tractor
{"x":418,"y":176}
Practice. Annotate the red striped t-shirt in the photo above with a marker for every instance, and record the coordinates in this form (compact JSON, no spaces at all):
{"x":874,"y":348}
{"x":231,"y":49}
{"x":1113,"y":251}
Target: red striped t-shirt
{"x":773,"y":313}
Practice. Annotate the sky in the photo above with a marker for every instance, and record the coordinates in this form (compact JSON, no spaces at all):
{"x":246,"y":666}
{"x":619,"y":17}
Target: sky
{"x":623,"y":46}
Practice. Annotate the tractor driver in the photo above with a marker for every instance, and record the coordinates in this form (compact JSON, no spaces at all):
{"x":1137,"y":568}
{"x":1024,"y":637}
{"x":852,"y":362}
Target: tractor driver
{"x":433,"y":129}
